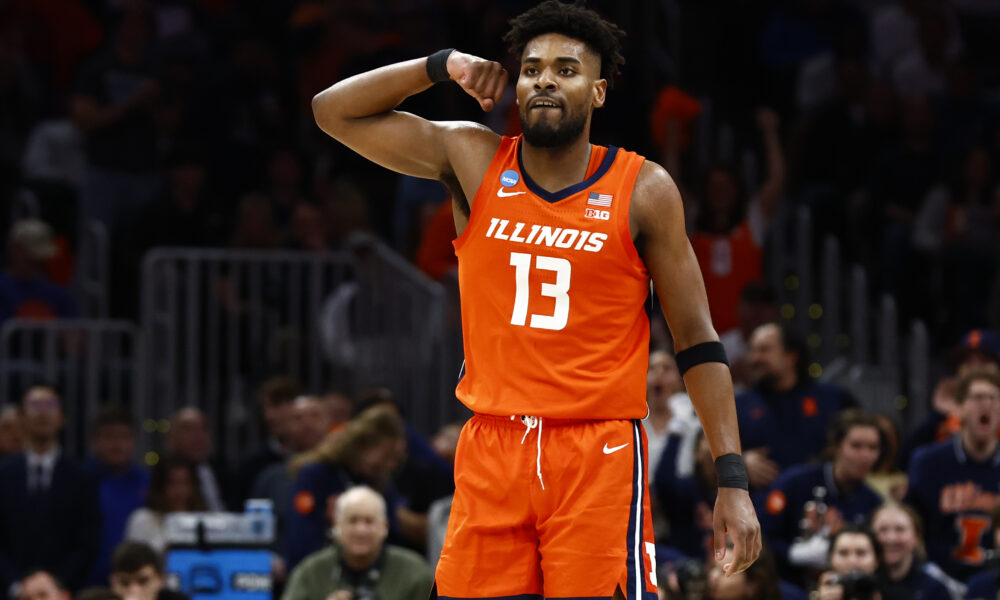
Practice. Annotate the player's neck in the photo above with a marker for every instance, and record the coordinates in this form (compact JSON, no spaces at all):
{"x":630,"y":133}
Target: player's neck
{"x":557,"y":168}
{"x":979,"y":450}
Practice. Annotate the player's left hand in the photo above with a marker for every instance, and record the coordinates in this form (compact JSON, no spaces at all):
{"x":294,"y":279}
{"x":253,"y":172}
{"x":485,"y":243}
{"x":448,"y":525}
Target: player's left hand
{"x":734,"y":516}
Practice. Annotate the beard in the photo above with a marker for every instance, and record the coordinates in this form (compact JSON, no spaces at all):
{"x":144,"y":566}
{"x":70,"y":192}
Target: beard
{"x":545,"y":134}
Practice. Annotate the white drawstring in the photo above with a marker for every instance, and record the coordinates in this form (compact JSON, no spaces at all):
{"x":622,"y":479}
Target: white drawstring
{"x":529,"y":424}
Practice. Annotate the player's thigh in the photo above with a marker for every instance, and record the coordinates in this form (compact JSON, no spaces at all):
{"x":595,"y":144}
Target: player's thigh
{"x":491,"y":548}
{"x":598,"y":534}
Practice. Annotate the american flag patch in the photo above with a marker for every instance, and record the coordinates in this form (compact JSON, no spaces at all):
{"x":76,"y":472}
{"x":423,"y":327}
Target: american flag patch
{"x":596,"y":199}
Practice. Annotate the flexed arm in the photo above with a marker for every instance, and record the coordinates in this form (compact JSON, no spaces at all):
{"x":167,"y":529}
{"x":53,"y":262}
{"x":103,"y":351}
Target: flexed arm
{"x":359,"y":112}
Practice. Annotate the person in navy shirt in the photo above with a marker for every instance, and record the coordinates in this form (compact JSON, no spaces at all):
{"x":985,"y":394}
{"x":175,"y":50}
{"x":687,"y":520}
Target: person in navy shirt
{"x":785,"y":416}
{"x":365,"y":452}
{"x":809,"y":502}
{"x":25,"y":289}
{"x":122,"y":484}
{"x":687,"y":501}
{"x":986,"y":585}
{"x":905,"y":575}
{"x":955,"y":484}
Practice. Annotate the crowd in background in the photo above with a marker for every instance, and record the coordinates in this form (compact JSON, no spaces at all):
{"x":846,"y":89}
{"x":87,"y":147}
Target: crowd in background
{"x":188,"y":123}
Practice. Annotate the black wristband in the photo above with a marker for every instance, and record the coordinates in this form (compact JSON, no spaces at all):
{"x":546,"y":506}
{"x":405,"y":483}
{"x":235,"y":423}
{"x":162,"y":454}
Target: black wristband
{"x":437,"y":65}
{"x":730,"y":472}
{"x":701,"y":353}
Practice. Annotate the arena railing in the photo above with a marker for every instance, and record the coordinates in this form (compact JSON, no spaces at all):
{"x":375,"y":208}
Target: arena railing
{"x":89,"y":362}
{"x":860,"y":347}
{"x":217,"y":323}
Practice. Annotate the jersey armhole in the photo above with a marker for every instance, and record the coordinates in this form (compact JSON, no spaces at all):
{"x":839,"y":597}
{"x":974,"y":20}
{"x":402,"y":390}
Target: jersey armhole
{"x":632,"y":247}
{"x":508,"y":146}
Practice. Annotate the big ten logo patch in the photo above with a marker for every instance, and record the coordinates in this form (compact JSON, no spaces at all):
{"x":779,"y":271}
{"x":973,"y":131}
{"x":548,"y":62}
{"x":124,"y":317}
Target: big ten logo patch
{"x":593,"y":213}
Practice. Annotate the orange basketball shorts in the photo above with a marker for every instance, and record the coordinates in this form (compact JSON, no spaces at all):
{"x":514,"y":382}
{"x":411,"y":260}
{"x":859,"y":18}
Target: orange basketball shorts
{"x":553,"y":509}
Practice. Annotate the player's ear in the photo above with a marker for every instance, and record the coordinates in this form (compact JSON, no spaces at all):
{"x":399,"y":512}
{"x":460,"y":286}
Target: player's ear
{"x":600,"y":92}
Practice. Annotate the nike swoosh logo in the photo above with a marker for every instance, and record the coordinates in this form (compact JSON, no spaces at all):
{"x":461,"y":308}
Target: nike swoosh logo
{"x":613,"y":449}
{"x":503,"y":194}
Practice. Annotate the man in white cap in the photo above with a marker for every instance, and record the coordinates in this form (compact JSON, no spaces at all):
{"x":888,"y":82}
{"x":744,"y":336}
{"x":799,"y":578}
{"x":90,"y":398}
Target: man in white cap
{"x":25,"y":289}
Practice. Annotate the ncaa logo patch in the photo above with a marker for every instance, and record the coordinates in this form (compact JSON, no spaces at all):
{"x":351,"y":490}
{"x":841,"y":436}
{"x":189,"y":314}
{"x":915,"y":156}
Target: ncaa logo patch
{"x":509,"y":178}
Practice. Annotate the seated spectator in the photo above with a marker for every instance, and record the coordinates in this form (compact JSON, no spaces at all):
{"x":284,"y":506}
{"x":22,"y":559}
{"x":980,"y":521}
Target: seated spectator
{"x":173,"y":488}
{"x":887,"y":478}
{"x":905,"y":572}
{"x":759,"y":582}
{"x":121,"y":483}
{"x":25,"y":289}
{"x":41,"y":585}
{"x":670,"y":413}
{"x":11,"y":431}
{"x":359,"y":564}
{"x":274,"y":397}
{"x":191,"y":439}
{"x":687,"y":501}
{"x":422,"y":477}
{"x":367,"y":451}
{"x":953,"y":484}
{"x":137,"y":574}
{"x":853,"y":562}
{"x":785,"y":416}
{"x":310,"y":423}
{"x":809,"y":503}
{"x":986,"y":584}
{"x":49,"y":515}
{"x":340,"y":407}
{"x":757,"y":306}
{"x":978,"y":350}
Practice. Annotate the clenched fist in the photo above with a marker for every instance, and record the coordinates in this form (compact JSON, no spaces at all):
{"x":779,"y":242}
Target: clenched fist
{"x":484,"y":80}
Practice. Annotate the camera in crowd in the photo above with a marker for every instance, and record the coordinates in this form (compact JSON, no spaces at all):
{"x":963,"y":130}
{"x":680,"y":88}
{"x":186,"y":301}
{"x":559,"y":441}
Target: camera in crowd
{"x":692,"y":581}
{"x":857,"y":585}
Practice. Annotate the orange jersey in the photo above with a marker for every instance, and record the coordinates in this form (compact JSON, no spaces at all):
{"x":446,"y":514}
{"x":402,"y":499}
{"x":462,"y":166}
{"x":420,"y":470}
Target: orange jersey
{"x":552,"y":294}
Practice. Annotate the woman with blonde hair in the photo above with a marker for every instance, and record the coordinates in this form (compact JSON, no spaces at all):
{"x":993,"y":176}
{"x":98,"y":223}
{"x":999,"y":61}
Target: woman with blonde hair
{"x":905,"y":573}
{"x":366,"y":451}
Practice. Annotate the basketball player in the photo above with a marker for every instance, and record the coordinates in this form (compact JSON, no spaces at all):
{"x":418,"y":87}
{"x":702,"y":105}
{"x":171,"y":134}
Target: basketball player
{"x":557,"y":244}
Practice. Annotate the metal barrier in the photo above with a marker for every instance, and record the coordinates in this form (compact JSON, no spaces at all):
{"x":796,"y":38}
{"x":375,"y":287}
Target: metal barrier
{"x":219,"y":322}
{"x":89,"y":362}
{"x":93,"y":275}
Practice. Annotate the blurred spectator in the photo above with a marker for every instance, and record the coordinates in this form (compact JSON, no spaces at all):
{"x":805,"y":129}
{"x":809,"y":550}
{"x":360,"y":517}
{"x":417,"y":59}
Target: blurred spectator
{"x":757,"y":306}
{"x":686,"y":501}
{"x":435,"y":253}
{"x":953,"y":484}
{"x":114,"y":105}
{"x":905,"y":573}
{"x":784,"y":418}
{"x":255,"y":227}
{"x":189,"y":438}
{"x":137,"y":574}
{"x":308,"y":229}
{"x":25,"y":289}
{"x":986,"y":584}
{"x":174,"y":487}
{"x":49,"y":514}
{"x":42,"y":585}
{"x":11,"y":431}
{"x":367,"y":451}
{"x":340,"y":408}
{"x":730,"y":229}
{"x":887,"y":478}
{"x":359,"y":564}
{"x":978,"y":350}
{"x":274,"y":397}
{"x":445,"y":441}
{"x":809,"y":503}
{"x":670,"y":413}
{"x":853,"y":561}
{"x":759,"y":582}
{"x":122,"y":484}
{"x":310,"y":423}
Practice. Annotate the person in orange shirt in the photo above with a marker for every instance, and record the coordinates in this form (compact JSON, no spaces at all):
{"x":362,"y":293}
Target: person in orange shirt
{"x":556,"y":247}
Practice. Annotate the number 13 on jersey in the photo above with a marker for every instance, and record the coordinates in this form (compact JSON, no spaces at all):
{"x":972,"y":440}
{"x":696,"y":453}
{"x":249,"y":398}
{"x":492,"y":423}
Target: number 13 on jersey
{"x":522,"y":264}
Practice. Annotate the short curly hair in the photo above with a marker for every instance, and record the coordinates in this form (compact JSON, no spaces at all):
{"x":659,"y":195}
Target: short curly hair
{"x":575,"y":21}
